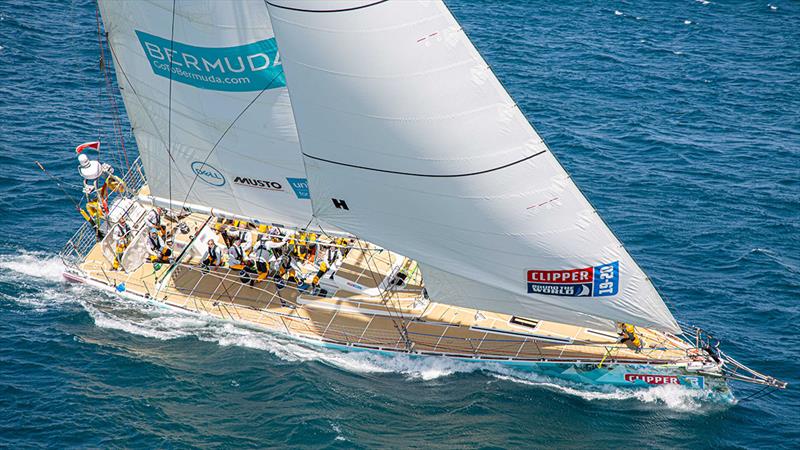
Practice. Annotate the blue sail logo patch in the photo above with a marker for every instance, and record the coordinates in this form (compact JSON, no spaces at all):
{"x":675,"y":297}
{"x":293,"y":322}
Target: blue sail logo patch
{"x":300,"y":187}
{"x":250,"y":67}
{"x":597,"y":281}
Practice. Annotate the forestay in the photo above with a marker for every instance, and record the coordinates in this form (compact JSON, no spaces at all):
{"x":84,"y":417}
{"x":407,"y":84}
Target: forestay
{"x":411,"y":142}
{"x":226,"y":72}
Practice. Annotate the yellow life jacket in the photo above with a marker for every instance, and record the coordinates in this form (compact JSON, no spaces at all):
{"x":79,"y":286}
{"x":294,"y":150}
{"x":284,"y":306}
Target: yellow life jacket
{"x":94,"y":209}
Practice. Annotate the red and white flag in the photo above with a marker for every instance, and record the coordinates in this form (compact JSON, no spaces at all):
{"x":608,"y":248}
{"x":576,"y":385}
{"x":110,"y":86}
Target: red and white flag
{"x":93,"y":145}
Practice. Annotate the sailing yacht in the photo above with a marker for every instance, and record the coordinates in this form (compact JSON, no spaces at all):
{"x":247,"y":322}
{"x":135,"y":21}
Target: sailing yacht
{"x":404,"y":202}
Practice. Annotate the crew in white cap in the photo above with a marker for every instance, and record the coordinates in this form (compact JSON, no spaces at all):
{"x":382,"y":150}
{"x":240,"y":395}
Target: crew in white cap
{"x":91,"y":171}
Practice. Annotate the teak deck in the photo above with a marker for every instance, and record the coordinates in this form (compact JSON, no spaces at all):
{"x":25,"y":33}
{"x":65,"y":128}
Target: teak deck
{"x":374,"y":322}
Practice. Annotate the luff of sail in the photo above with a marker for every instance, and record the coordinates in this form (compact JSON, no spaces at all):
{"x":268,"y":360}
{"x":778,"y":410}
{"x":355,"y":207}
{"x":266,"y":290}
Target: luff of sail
{"x":223,"y":114}
{"x":411,"y":142}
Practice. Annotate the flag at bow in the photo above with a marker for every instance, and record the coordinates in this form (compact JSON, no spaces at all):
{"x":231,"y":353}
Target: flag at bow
{"x":93,"y":145}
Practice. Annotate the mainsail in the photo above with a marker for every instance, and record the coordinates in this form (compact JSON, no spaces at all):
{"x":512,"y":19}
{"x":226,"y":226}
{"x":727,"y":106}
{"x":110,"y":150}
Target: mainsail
{"x":204,"y":89}
{"x":411,"y":142}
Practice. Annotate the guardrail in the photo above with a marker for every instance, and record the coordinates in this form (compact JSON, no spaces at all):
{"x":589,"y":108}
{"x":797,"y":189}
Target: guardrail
{"x":81,"y":243}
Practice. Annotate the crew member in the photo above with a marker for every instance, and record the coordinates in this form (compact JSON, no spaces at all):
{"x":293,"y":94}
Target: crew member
{"x":261,"y":255}
{"x":120,"y":234}
{"x":245,"y":236}
{"x":153,"y":219}
{"x":236,"y":256}
{"x":713,"y":351}
{"x":248,"y":272}
{"x":323,"y":269}
{"x":286,"y":267}
{"x":277,"y":237}
{"x":312,"y":247}
{"x":629,"y":336}
{"x":157,"y":248}
{"x":91,"y":171}
{"x":212,"y":256}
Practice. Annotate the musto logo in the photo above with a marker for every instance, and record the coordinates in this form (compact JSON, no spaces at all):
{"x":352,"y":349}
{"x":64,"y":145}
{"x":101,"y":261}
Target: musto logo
{"x":208,"y":174}
{"x":250,"y":67}
{"x":653,"y":379}
{"x":259,"y":184}
{"x":598,"y":281}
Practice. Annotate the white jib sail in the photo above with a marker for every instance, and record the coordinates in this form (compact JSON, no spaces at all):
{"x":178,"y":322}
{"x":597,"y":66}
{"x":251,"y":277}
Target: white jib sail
{"x":411,"y":142}
{"x":231,"y":132}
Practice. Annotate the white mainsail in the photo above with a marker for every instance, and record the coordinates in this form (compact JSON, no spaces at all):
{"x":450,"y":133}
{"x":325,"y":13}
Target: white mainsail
{"x":223,"y":114}
{"x":412,"y":143}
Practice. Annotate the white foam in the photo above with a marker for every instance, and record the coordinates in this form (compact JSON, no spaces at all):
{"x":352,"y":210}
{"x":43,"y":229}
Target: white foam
{"x":338,"y":430}
{"x":674,"y":397}
{"x":135,"y":317}
{"x":618,"y":13}
{"x":39,"y":276}
{"x":38,"y":265}
{"x":165,"y":325}
{"x":687,"y":22}
{"x":162,"y":327}
{"x":424,"y":368}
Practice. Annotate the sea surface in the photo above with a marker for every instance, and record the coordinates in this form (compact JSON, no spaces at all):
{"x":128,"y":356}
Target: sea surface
{"x":679,"y":119}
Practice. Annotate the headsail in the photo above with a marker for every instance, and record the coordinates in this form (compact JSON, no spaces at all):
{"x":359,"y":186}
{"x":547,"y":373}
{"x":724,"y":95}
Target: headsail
{"x":223,"y":114}
{"x":411,"y":142}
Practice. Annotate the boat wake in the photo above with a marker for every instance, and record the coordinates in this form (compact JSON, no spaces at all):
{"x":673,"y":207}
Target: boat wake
{"x":673,"y":397}
{"x":42,"y":274}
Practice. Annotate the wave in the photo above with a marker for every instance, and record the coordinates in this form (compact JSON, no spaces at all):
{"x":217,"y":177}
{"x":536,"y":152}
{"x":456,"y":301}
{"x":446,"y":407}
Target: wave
{"x":34,"y":264}
{"x":672,"y":397}
{"x":138,"y":318}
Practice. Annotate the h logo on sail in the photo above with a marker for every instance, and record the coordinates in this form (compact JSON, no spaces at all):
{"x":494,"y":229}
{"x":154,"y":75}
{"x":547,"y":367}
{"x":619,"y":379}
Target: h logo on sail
{"x":250,"y":67}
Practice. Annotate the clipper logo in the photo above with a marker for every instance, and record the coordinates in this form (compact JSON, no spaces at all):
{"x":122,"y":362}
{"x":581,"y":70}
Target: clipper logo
{"x":300,"y":187}
{"x":259,"y":184}
{"x":653,"y":379}
{"x":598,"y":281}
{"x":208,"y":174}
{"x":250,"y":67}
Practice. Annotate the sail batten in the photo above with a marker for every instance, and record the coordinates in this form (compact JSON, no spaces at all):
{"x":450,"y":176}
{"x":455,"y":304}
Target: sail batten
{"x":444,"y":168}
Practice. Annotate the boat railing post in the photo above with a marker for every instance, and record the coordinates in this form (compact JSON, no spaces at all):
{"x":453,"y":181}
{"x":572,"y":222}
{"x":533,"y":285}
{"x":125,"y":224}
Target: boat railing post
{"x":521,"y":346}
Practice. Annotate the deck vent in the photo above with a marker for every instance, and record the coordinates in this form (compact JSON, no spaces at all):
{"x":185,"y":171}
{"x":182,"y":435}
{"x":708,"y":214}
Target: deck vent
{"x":530,"y":323}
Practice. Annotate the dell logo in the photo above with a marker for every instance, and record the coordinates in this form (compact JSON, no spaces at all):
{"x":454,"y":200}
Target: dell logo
{"x":208,"y":173}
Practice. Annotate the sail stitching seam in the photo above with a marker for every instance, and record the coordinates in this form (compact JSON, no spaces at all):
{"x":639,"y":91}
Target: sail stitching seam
{"x":327,"y":10}
{"x":396,"y":172}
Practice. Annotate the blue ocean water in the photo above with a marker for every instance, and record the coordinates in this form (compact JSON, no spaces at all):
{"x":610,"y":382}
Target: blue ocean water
{"x":680,"y":121}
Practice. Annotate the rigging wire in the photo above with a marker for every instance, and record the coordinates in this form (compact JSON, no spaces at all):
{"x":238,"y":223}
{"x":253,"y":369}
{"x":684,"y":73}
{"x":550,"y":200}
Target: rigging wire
{"x":197,"y":174}
{"x":118,"y":66}
{"x":169,"y":120}
{"x":401,"y":327}
{"x":110,"y":92}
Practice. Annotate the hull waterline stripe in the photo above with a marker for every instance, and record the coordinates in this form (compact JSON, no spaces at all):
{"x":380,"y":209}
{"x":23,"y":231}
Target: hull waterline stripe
{"x":411,"y":174}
